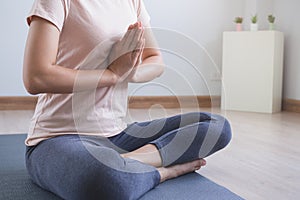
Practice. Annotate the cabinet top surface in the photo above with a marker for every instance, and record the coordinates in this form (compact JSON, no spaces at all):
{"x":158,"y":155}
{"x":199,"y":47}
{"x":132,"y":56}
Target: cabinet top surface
{"x":253,"y":32}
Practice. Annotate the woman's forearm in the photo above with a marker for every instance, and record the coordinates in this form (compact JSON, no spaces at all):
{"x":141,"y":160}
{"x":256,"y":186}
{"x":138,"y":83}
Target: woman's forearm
{"x":151,"y":68}
{"x":57,"y":79}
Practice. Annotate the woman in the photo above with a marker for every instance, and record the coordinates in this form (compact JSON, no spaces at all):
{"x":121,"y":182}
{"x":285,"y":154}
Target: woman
{"x":80,"y":56}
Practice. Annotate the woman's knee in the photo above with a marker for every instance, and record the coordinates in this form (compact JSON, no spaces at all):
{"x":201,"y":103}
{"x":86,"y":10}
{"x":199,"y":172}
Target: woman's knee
{"x":225,"y":129}
{"x":109,"y":184}
{"x":84,"y":176}
{"x":112,"y":177}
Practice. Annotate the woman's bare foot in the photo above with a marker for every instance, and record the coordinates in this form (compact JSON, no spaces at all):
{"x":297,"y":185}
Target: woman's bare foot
{"x":147,"y":154}
{"x":167,"y":173}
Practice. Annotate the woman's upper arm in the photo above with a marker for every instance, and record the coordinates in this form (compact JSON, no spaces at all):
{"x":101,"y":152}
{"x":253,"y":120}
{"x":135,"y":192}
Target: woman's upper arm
{"x":40,"y":51}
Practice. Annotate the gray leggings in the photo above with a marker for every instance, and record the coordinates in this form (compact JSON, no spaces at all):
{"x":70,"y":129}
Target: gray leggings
{"x":90,"y":167}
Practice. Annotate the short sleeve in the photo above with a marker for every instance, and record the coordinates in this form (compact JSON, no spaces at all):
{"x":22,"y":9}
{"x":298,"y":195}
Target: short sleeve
{"x":54,"y":11}
{"x":142,"y":13}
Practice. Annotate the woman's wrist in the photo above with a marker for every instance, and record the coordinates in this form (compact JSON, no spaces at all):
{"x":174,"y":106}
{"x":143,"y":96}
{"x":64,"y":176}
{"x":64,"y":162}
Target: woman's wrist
{"x":133,"y":75}
{"x":114,"y":77}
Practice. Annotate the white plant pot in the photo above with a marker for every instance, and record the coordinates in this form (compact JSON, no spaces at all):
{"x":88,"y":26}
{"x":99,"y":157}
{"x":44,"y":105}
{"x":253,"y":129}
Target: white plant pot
{"x":271,"y":26}
{"x":254,"y":27}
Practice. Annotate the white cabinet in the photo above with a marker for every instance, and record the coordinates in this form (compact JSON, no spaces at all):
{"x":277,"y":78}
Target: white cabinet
{"x":252,"y":71}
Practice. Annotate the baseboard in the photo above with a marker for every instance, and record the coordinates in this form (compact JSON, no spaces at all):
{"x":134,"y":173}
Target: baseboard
{"x":135,"y":102}
{"x":18,"y":103}
{"x":291,"y":105}
{"x":144,"y":102}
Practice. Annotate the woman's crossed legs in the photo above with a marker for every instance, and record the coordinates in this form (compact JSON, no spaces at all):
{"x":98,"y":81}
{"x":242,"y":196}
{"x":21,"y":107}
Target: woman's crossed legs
{"x":181,"y":141}
{"x":130,"y":164}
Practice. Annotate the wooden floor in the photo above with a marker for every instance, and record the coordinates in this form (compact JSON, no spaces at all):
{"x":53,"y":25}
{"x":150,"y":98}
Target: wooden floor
{"x":262,"y":161}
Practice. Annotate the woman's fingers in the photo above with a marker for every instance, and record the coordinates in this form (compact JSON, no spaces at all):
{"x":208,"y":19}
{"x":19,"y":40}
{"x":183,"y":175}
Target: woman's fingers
{"x":136,"y":38}
{"x":133,"y":39}
{"x":131,"y":44}
{"x":129,"y":30}
{"x":128,"y":33}
{"x":138,"y":52}
{"x":133,"y":35}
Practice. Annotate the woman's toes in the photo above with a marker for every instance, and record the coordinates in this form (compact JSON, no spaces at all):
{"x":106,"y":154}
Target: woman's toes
{"x":203,"y":162}
{"x":181,"y":169}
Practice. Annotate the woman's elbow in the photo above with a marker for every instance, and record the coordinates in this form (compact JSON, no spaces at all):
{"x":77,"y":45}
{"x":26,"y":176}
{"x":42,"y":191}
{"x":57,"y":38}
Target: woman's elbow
{"x":31,"y":85}
{"x":161,"y":69}
{"x":32,"y":82}
{"x":160,"y":65}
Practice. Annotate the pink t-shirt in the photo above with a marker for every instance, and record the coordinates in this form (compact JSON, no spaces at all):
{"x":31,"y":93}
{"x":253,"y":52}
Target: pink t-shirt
{"x":88,"y":29}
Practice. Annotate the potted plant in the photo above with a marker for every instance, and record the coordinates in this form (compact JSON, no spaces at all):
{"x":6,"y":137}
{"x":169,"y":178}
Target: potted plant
{"x":254,"y":25}
{"x":271,"y":20}
{"x":239,"y":21}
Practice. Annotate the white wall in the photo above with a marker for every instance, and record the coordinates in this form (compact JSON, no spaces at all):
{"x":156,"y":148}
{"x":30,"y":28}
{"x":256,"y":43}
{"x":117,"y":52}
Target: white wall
{"x":190,"y":18}
{"x":194,"y":29}
{"x":261,"y":8}
{"x":264,"y":8}
{"x":12,"y":42}
{"x":287,"y":13}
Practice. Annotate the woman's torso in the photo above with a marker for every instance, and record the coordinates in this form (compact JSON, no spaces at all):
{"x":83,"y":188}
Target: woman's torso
{"x":89,"y":31}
